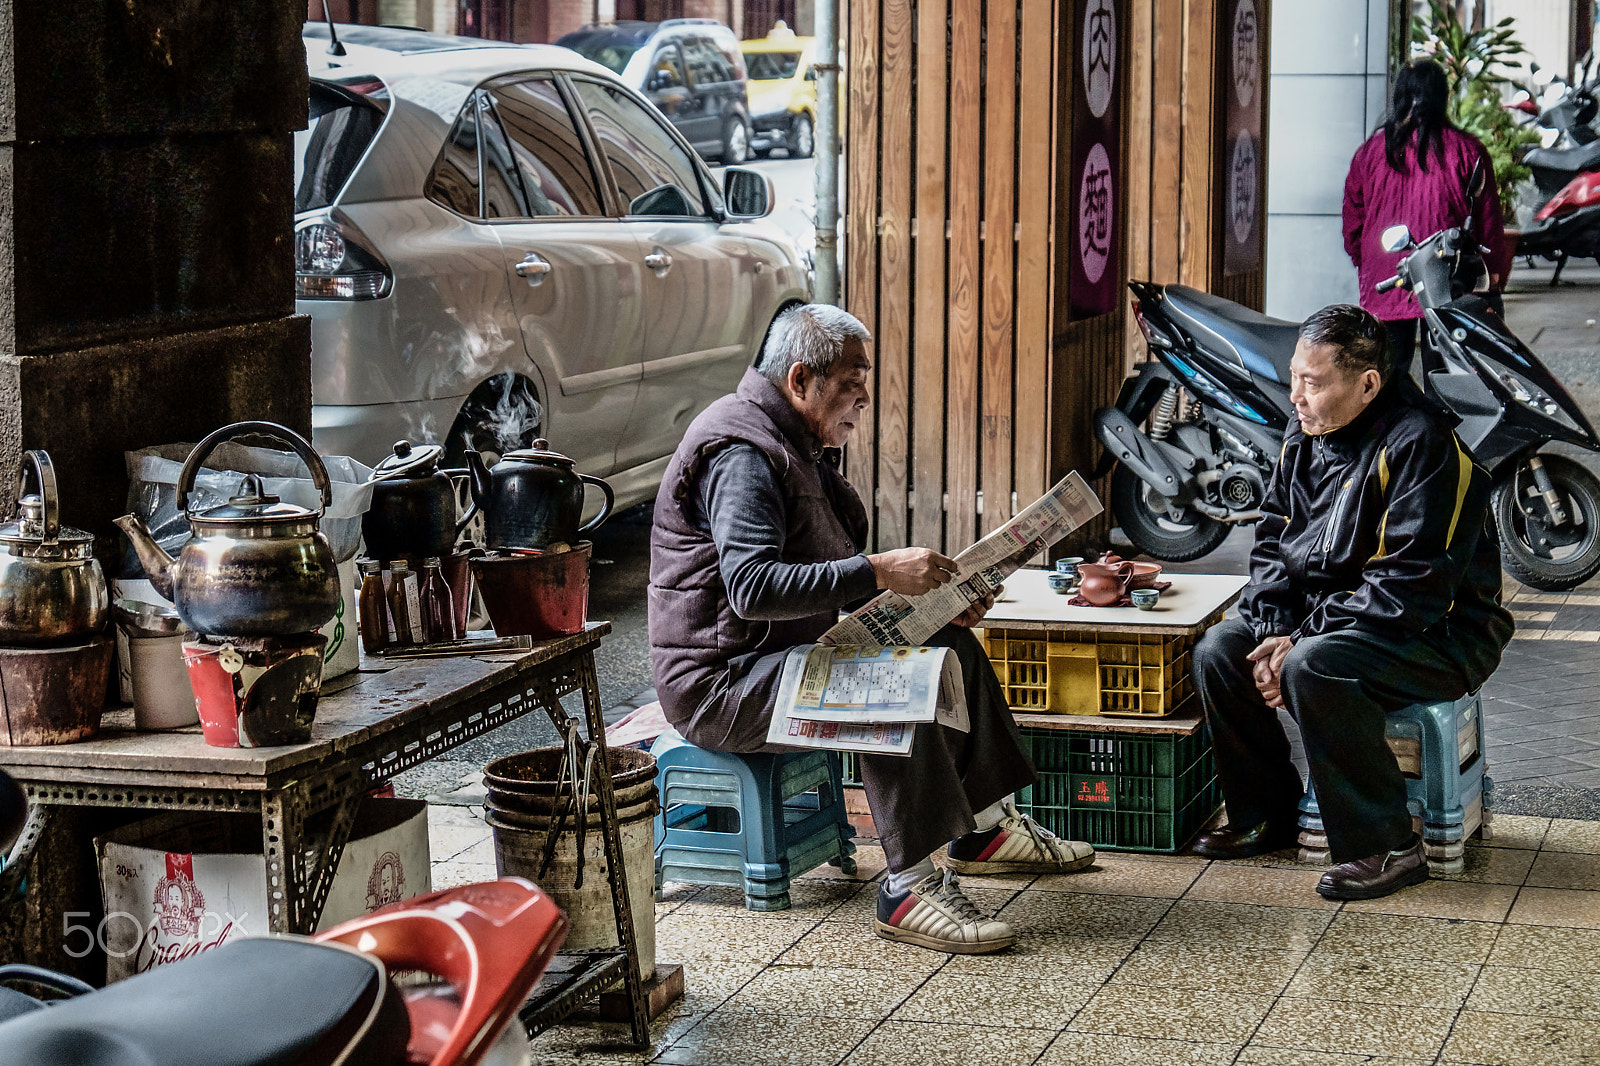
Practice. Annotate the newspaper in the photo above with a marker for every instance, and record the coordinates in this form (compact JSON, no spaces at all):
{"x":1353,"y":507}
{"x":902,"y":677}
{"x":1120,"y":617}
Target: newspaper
{"x":858,"y":698}
{"x":871,"y":681}
{"x":893,"y":619}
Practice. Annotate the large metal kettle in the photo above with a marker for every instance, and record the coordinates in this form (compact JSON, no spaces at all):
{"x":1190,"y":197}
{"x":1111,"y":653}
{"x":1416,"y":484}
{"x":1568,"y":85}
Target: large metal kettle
{"x":52,"y":589}
{"x":254,"y":566}
{"x":413,"y":510}
{"x":534,"y":498}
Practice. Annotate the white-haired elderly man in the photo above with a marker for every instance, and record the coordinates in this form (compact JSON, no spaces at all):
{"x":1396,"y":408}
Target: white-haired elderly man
{"x":757,"y":545}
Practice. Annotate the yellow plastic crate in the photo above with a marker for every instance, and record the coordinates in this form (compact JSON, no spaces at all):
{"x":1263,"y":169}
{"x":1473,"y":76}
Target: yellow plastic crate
{"x":1084,"y":672}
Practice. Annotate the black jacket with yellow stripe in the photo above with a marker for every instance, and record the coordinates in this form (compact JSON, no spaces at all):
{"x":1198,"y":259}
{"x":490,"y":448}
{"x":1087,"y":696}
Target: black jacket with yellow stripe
{"x":1380,"y":526}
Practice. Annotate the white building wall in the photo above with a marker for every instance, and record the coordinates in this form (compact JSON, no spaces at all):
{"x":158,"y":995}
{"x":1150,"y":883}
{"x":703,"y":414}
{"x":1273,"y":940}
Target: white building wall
{"x":1329,"y":85}
{"x":1543,"y":26}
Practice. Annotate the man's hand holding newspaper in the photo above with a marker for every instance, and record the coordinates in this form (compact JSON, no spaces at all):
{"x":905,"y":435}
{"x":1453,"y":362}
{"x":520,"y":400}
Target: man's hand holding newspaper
{"x":877,"y":680}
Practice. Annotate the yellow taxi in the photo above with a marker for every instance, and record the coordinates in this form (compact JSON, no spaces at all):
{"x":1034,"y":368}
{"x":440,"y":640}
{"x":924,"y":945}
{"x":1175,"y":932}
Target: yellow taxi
{"x":783,"y":91}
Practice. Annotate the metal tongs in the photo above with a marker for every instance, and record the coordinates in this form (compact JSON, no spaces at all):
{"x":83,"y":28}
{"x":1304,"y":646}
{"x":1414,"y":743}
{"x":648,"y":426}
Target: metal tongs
{"x":566,"y":772}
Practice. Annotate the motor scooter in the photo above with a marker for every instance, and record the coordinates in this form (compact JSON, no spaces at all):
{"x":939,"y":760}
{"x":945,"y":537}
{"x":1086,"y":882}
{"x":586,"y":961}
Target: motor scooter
{"x":334,"y":998}
{"x":1195,"y":432}
{"x":1567,"y":226}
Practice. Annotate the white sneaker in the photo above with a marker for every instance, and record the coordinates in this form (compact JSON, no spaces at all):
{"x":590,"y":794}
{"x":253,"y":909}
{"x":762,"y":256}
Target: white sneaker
{"x":1018,"y":845}
{"x":936,"y":914}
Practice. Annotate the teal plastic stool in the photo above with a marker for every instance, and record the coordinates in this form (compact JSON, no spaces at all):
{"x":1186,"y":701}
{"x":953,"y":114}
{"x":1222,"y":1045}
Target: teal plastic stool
{"x":750,"y":820}
{"x":1452,"y":794}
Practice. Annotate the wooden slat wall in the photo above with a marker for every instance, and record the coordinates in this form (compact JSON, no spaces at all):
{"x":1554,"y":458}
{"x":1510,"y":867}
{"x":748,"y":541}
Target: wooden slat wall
{"x":959,"y":114}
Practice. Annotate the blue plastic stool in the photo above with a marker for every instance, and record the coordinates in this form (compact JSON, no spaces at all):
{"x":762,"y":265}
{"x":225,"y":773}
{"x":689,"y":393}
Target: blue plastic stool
{"x":748,"y":820}
{"x":1452,"y":796}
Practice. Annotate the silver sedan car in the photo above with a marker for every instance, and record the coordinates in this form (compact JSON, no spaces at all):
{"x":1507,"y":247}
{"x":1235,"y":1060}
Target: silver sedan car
{"x":502,"y":242}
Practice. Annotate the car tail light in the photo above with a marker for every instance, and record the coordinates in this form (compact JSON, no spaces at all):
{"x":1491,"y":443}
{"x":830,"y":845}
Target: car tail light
{"x":334,"y":261}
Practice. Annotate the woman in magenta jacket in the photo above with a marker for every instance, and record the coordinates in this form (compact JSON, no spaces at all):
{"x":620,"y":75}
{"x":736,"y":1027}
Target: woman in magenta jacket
{"x":1415,"y":169}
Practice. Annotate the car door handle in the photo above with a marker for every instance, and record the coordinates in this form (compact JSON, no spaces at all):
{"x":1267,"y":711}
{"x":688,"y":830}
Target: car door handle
{"x":533,"y":267}
{"x":658,"y":260}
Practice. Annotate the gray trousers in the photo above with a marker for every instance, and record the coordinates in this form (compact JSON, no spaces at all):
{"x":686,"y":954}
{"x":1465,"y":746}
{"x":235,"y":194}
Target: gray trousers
{"x":1339,"y":687}
{"x":918,"y":802}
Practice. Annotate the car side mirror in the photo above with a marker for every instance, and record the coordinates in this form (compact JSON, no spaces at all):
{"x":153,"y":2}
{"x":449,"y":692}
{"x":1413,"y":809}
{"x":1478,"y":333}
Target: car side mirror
{"x":1395,"y":238}
{"x":748,"y":194}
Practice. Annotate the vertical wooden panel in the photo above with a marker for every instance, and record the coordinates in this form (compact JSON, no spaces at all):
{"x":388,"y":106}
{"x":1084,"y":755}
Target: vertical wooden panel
{"x":1196,"y":248}
{"x":1166,"y":143}
{"x":861,"y":284}
{"x":999,"y":259}
{"x":961,"y":416}
{"x":894,"y":275}
{"x":928,"y":362}
{"x":1035,"y":157}
{"x":1140,"y":111}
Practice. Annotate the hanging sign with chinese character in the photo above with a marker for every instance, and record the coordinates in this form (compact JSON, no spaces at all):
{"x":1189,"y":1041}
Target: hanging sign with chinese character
{"x":1094,"y":249}
{"x":1241,"y":69}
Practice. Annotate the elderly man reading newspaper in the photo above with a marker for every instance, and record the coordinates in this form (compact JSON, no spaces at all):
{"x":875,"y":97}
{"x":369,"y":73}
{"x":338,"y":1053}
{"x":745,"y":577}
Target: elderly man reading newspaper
{"x":757,"y":545}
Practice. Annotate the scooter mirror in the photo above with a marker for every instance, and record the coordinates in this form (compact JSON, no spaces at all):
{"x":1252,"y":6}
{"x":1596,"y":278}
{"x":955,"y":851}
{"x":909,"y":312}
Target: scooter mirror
{"x":1396,"y":238}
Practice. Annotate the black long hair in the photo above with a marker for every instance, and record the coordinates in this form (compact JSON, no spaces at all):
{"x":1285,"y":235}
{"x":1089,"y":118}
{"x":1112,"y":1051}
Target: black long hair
{"x":1421,"y":94}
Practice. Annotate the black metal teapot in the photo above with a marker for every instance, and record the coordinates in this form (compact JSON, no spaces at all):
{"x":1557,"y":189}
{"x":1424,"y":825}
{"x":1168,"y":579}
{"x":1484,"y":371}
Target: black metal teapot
{"x":413,"y":510}
{"x":254,"y":566}
{"x":534,"y":498}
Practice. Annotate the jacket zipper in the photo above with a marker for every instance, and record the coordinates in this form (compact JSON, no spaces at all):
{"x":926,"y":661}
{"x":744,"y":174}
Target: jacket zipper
{"x":1336,"y":516}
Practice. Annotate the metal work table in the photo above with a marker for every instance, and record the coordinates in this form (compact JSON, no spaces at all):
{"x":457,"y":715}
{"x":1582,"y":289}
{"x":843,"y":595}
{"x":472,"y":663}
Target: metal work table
{"x":391,"y":716}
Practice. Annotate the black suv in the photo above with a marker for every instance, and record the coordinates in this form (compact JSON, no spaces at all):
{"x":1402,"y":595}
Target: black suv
{"x":692,"y":69}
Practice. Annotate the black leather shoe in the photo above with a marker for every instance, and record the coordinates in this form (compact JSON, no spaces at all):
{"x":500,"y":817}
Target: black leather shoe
{"x":1376,"y":875}
{"x":1227,"y":842}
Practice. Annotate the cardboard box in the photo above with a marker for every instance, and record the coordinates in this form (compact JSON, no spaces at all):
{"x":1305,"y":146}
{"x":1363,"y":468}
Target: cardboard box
{"x":179,"y":884}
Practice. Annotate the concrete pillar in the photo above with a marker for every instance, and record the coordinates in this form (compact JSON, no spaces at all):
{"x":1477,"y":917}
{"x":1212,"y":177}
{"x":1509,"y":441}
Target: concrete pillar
{"x":1329,"y":92}
{"x":146,"y":233}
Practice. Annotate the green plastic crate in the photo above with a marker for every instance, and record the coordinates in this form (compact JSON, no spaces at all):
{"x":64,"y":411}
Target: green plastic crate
{"x":1122,"y":791}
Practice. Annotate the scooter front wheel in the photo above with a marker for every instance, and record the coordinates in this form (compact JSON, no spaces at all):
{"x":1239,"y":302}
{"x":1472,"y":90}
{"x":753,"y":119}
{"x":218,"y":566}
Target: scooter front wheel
{"x":1142,"y":513}
{"x":1534,"y":550}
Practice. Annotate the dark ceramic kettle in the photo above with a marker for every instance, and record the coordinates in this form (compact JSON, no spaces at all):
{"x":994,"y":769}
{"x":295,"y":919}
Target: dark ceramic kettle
{"x":533,"y":498}
{"x":413,"y":511}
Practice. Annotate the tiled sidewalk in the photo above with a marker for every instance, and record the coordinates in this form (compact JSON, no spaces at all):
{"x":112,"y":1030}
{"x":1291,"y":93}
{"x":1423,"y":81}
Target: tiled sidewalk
{"x":1141,"y":959}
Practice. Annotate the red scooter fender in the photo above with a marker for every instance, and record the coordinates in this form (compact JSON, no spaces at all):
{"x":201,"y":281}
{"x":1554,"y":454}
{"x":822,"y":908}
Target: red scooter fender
{"x":490,"y":942}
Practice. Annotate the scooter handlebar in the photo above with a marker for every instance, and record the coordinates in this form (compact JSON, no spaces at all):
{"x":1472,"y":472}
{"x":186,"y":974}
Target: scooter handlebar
{"x":1388,"y":283}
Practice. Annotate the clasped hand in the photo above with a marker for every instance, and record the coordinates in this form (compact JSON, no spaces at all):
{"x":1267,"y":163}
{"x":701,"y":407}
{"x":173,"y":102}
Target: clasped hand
{"x":1268,"y":658}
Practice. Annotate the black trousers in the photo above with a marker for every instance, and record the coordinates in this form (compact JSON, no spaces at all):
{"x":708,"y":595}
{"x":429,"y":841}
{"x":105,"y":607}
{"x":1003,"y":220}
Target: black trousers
{"x":919,"y":802}
{"x":1338,"y":687}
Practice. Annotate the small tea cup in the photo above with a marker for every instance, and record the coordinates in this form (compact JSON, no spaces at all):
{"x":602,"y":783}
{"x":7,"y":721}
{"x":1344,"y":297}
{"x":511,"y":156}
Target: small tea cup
{"x":1145,"y":599}
{"x":1062,"y":583}
{"x":1069,"y":566}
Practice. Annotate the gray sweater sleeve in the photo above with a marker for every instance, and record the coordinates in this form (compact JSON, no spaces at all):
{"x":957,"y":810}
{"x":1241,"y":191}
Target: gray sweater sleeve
{"x":743,"y":503}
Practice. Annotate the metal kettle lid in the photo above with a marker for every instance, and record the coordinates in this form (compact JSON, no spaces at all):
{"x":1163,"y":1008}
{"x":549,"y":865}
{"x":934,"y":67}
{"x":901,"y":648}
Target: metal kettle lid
{"x":28,"y":530}
{"x":409,"y":461}
{"x":251,"y":503}
{"x":539,"y":453}
{"x":37,"y":530}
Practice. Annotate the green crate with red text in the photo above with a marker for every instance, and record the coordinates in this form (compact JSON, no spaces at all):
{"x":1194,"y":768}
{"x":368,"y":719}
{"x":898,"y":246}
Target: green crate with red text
{"x":1122,"y":791}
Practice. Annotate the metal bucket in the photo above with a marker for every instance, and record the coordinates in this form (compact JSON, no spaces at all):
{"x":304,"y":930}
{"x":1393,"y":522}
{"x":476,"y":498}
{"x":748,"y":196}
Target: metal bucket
{"x":53,"y":695}
{"x":519,"y":839}
{"x":525,"y":783}
{"x":544,"y":595}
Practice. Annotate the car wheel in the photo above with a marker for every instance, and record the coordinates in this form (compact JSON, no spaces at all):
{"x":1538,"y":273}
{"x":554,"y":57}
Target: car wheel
{"x":801,"y":140}
{"x":502,"y":415}
{"x":736,"y":142}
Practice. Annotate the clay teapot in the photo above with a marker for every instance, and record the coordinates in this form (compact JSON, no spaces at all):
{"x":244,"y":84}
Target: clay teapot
{"x":1103,"y":584}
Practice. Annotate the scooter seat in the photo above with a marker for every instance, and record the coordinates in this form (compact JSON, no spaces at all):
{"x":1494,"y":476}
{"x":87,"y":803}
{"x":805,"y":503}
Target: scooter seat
{"x":1259,"y":344}
{"x":1567,"y":160}
{"x":257,"y":1002}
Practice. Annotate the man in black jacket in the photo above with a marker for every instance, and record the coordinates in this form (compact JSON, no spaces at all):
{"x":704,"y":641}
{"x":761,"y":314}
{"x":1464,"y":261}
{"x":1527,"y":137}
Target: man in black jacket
{"x":1373,"y":586}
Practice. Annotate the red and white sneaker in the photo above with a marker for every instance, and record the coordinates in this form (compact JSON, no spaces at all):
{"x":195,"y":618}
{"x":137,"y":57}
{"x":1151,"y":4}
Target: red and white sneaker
{"x":936,"y":914}
{"x":1018,"y":845}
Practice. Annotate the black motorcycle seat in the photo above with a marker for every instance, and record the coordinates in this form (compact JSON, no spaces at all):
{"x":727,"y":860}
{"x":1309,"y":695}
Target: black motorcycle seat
{"x":1260,"y":344}
{"x":256,"y":1002}
{"x":1568,"y":160}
